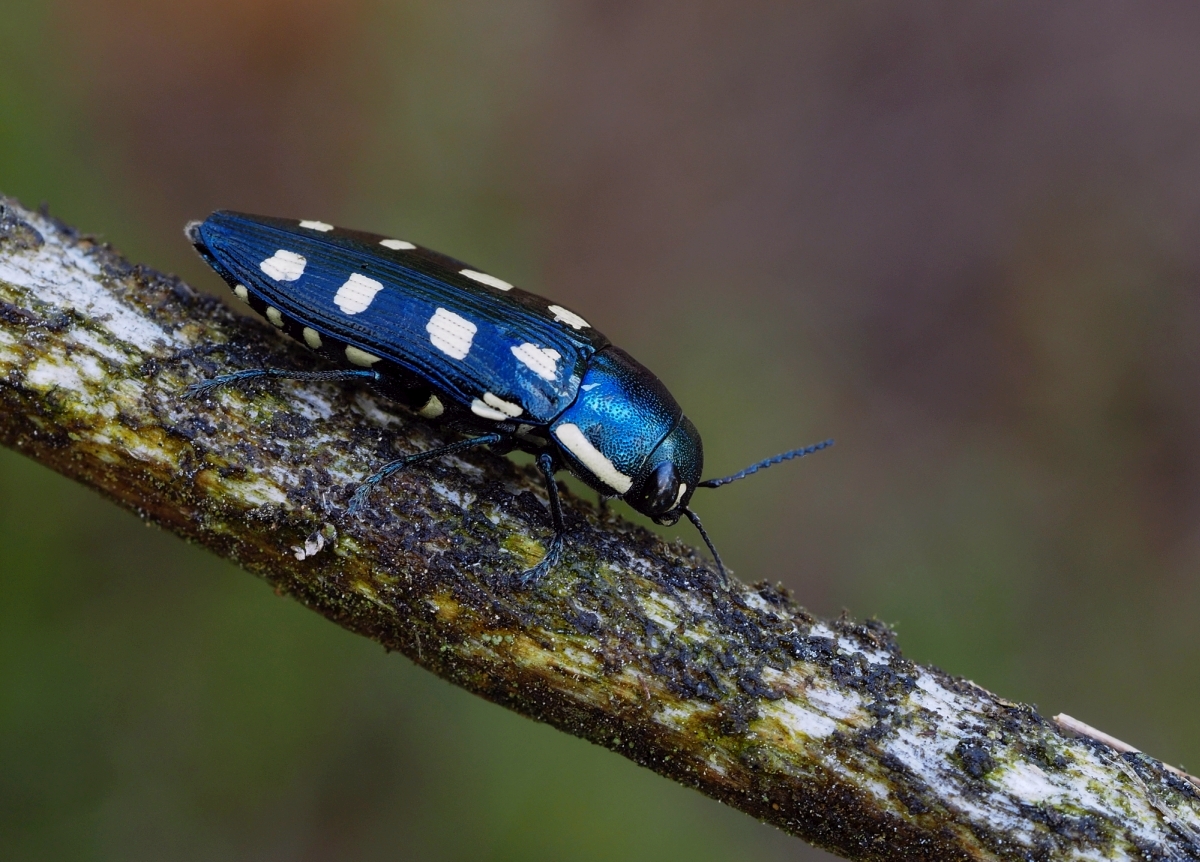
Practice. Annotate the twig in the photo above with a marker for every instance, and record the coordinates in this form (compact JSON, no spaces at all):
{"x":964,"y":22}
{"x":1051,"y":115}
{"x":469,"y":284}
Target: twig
{"x":1078,"y":727}
{"x":821,"y":728}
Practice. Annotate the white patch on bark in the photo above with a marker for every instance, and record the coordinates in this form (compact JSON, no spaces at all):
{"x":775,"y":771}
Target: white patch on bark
{"x":149,"y":454}
{"x":310,"y":404}
{"x":49,"y":374}
{"x":932,"y":758}
{"x":311,"y":547}
{"x":462,"y":500}
{"x":662,"y":610}
{"x":66,"y":276}
{"x":797,"y":719}
{"x":835,"y":703}
{"x":255,"y":493}
{"x":1026,"y":781}
{"x":88,"y":341}
{"x":371,"y":409}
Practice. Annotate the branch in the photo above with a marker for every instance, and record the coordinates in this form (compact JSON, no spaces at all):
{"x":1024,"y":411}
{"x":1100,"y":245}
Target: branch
{"x":820,"y":728}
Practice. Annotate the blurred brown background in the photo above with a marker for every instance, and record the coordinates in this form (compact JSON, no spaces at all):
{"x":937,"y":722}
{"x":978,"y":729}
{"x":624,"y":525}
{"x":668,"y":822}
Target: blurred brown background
{"x":961,"y":238}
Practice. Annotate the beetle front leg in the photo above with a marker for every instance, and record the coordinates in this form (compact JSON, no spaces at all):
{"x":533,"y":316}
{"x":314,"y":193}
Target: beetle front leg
{"x":530,"y":578}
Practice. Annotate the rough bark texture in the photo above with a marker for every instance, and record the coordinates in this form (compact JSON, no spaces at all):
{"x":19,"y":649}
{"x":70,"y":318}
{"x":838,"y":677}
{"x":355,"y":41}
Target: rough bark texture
{"x":821,"y":728}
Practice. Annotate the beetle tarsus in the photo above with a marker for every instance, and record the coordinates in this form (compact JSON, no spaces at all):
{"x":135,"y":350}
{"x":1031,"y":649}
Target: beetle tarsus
{"x":531,"y":577}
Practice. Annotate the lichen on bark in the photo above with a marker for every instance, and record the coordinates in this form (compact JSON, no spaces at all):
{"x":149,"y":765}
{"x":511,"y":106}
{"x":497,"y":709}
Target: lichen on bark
{"x":822,"y":728}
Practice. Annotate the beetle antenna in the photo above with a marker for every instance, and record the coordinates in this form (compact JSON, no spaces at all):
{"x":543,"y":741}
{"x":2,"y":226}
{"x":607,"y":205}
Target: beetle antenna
{"x":695,"y":519}
{"x":761,"y":465}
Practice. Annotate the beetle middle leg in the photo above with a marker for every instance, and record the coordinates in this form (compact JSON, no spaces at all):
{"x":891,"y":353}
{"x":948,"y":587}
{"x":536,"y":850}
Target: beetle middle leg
{"x":240,"y":378}
{"x":364,"y":490}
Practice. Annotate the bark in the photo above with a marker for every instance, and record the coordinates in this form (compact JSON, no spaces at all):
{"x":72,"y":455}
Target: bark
{"x":821,"y":728}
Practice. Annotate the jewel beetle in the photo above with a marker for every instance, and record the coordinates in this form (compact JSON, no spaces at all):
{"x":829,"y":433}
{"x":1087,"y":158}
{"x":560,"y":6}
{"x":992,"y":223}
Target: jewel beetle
{"x":505,"y":367}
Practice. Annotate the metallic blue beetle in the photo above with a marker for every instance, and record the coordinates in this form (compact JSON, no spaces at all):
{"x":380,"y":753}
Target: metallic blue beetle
{"x":466,"y":348}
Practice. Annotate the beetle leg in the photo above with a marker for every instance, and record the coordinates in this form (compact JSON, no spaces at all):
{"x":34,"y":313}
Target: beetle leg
{"x":529,"y":578}
{"x":239,"y":378}
{"x":363,"y":491}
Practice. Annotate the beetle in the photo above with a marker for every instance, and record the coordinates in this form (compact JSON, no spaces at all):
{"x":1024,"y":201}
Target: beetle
{"x":454,"y":344}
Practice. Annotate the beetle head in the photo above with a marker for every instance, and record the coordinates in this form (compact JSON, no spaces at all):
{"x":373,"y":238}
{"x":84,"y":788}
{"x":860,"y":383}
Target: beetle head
{"x":665,"y":483}
{"x":626,"y":435}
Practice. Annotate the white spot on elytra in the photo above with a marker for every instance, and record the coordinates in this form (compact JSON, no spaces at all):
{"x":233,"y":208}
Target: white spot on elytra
{"x":492,"y":407}
{"x":284,"y":265}
{"x":360,"y":357}
{"x":570,"y":318}
{"x":542,"y":361}
{"x":481,"y":409}
{"x":312,"y":338}
{"x":451,"y":333}
{"x":505,"y":407}
{"x":489,"y":280}
{"x":356,"y":294}
{"x":275,"y":316}
{"x":433,"y":408}
{"x":574,"y":441}
{"x":397,"y":244}
{"x":588,"y":387}
{"x":241,"y":293}
{"x":317,"y":225}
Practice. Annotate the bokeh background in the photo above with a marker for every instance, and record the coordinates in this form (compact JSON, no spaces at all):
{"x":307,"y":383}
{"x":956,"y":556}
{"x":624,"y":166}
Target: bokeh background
{"x":961,"y":238}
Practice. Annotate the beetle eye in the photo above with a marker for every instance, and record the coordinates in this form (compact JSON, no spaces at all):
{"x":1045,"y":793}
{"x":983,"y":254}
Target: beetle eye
{"x":661,"y":489}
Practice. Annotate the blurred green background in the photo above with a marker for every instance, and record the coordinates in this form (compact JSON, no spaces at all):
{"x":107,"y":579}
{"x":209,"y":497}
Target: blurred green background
{"x":959,"y":237}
